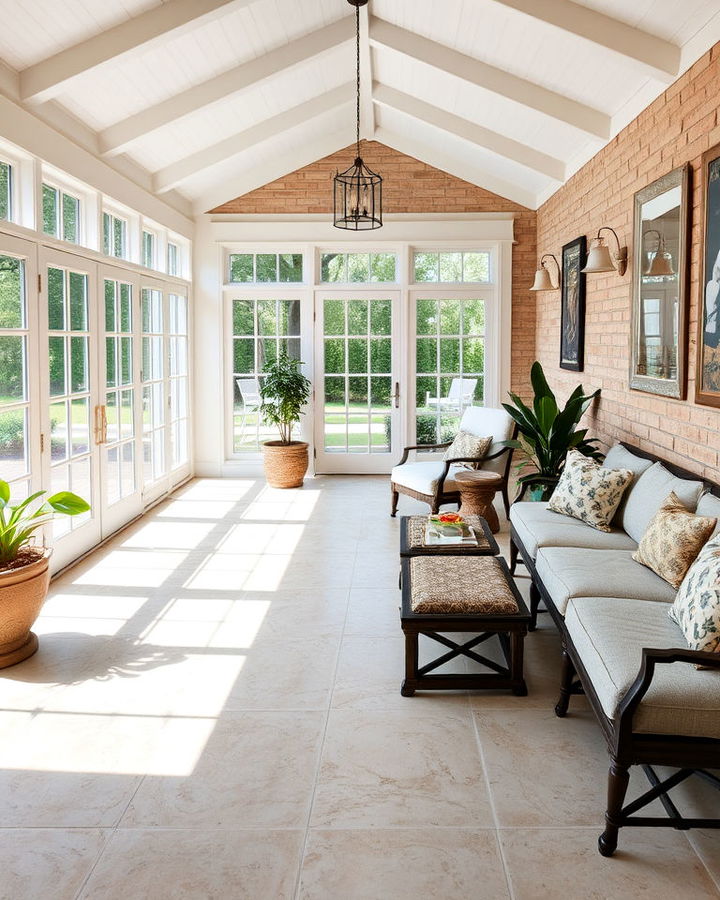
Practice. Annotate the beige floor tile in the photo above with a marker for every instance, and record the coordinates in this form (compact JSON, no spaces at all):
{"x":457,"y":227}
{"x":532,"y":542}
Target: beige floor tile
{"x":553,"y":862}
{"x":47,"y":862}
{"x":256,"y":770}
{"x":447,"y":864}
{"x":373,"y":570}
{"x":190,"y":865}
{"x":400,"y":768}
{"x":707,"y":845}
{"x":374,"y":612}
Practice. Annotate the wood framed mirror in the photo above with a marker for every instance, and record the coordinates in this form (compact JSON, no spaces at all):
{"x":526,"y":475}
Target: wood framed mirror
{"x":658,"y":352}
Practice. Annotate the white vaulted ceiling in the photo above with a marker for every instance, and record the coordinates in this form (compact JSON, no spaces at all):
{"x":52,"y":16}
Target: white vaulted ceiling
{"x":208,"y":99}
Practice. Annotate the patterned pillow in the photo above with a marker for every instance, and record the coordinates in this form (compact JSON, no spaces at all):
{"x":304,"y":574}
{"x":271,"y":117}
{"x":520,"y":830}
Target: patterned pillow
{"x":673,"y":540}
{"x":589,"y":492}
{"x":697,"y":606}
{"x":469,"y":445}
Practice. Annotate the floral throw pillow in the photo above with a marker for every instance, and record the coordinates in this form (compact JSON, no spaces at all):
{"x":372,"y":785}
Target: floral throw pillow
{"x":673,"y":540}
{"x":697,"y":606}
{"x":589,"y":492}
{"x":469,"y":446}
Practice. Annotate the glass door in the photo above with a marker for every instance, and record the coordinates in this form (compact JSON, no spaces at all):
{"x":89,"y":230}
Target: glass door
{"x":357,"y":385}
{"x":155,"y":401}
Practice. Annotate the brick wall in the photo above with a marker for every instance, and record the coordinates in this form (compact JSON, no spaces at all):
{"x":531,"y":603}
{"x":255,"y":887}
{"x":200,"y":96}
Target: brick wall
{"x":410,"y":186}
{"x":675,"y":129}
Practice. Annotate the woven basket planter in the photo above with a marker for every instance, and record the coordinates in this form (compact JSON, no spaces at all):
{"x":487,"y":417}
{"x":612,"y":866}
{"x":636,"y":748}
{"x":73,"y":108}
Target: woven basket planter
{"x":22,"y":594}
{"x":285,"y":464}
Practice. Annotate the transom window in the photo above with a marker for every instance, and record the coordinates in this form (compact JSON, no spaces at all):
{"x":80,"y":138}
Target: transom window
{"x":6,"y":186}
{"x":148,"y":249}
{"x":358,"y":267}
{"x":452,"y":267}
{"x":173,"y":259}
{"x":61,"y":214}
{"x":114,"y":236}
{"x":270,"y":268}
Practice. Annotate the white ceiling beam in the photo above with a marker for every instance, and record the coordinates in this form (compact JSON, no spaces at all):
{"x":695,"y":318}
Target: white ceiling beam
{"x":447,"y":163}
{"x":275,"y":167}
{"x":367,"y":110}
{"x":116,"y":138}
{"x":49,"y":77}
{"x":459,"y":127}
{"x":659,"y":58}
{"x":274,"y":128}
{"x":480,"y":74}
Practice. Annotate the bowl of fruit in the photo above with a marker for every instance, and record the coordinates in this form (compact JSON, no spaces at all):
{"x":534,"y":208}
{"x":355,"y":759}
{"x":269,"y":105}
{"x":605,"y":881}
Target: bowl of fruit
{"x":448,"y":524}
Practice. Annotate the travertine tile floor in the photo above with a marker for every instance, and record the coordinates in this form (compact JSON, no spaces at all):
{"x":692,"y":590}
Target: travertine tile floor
{"x":215,"y":713}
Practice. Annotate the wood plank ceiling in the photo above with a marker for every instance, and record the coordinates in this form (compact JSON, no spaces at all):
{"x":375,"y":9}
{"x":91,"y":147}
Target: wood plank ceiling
{"x":204,"y":100}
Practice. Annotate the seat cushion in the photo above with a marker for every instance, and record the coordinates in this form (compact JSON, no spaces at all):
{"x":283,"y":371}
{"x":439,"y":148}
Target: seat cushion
{"x":422,"y":477}
{"x":537,"y":526}
{"x":609,"y":634}
{"x":647,"y":495}
{"x":470,"y":586}
{"x":570,"y":572}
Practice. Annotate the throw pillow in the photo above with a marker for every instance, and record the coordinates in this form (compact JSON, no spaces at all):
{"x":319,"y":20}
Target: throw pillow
{"x":673,"y":540}
{"x":697,"y":606}
{"x":468,"y":446}
{"x":588,"y":491}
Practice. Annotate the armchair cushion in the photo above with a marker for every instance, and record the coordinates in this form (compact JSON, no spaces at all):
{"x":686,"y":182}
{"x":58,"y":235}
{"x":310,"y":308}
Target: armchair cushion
{"x":468,"y":445}
{"x":422,"y":477}
{"x":484,"y":421}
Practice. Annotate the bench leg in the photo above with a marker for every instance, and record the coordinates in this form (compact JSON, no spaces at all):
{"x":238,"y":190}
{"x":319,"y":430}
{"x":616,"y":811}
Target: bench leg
{"x":534,"y":604}
{"x":517,"y":643}
{"x":618,"y":779}
{"x":567,"y":674}
{"x":407,"y":689}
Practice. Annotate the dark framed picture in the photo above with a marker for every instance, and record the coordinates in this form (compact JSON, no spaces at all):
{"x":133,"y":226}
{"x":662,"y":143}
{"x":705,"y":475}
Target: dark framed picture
{"x":707,"y":370}
{"x":572,"y":320}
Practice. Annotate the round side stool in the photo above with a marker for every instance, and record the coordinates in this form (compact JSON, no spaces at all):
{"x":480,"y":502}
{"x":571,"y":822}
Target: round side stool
{"x":477,"y":491}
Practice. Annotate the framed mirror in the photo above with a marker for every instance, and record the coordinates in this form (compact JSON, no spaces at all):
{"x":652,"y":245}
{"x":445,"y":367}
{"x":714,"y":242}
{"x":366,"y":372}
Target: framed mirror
{"x":658,"y":357}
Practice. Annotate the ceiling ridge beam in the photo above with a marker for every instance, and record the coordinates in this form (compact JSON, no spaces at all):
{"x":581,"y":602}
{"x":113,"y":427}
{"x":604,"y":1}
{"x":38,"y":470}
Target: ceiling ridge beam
{"x":116,"y":138}
{"x":658,"y":57}
{"x":463,"y":128}
{"x":367,"y":109}
{"x":49,"y":77}
{"x":474,"y":71}
{"x":171,"y":176}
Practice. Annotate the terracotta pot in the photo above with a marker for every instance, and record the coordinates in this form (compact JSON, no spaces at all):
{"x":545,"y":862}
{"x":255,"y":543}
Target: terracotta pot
{"x":285,"y":464}
{"x":22,"y":594}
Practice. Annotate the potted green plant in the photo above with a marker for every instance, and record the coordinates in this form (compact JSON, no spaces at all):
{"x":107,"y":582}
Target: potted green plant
{"x":24,"y":567}
{"x":546,"y":433}
{"x":284,"y":392}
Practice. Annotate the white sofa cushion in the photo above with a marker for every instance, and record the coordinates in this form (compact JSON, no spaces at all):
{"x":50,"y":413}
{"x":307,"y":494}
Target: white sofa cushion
{"x":569,"y":572}
{"x":609,"y":634}
{"x":648,"y":494}
{"x":709,"y":505}
{"x":422,"y":477}
{"x":620,"y":457}
{"x":537,"y":526}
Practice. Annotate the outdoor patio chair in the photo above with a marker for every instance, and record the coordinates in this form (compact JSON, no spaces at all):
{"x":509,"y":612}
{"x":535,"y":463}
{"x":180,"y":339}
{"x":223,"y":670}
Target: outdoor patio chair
{"x":249,"y":389}
{"x":458,"y":397}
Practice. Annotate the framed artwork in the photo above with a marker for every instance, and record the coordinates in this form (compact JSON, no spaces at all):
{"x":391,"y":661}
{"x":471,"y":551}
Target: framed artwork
{"x":572,"y":320}
{"x":707,"y":371}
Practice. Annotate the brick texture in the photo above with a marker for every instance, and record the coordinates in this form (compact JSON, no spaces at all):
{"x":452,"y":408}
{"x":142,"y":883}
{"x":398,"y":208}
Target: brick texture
{"x":410,"y":186}
{"x":677,"y":128}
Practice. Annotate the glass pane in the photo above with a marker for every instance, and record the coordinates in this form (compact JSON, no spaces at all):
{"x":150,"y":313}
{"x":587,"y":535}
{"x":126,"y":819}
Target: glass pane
{"x":56,"y":352}
{"x":5,"y":191}
{"x":357,"y":317}
{"x":241,"y":267}
{"x":178,"y":398}
{"x":126,"y":360}
{"x":451,"y":267}
{"x":426,"y":390}
{"x":13,"y":444}
{"x":358,"y":398}
{"x":332,"y":267}
{"x":56,"y":299}
{"x":267,"y":317}
{"x":334,"y":355}
{"x":50,"y":210}
{"x":427,"y":317}
{"x":291,"y":267}
{"x":71,"y":218}
{"x":476,"y":267}
{"x":127,"y":424}
{"x":334,"y":314}
{"x":267,"y":352}
{"x":358,"y":267}
{"x":12,"y":292}
{"x":156,"y":352}
{"x":291,"y":346}
{"x":266,"y":267}
{"x":107,"y":232}
{"x":125,"y":307}
{"x":60,"y":481}
{"x":243,"y":317}
{"x":12,"y":369}
{"x":474,"y":355}
{"x":109,"y":306}
{"x":172,"y":259}
{"x":357,"y":355}
{"x":380,"y":392}
{"x":81,"y":484}
{"x":80,"y":441}
{"x":474,"y":317}
{"x":382,"y":267}
{"x":148,"y":248}
{"x":380,"y":317}
{"x":78,"y":364}
{"x":244,"y":356}
{"x":178,"y":314}
{"x":111,"y":361}
{"x":111,"y":413}
{"x":427,"y":355}
{"x":479,"y":397}
{"x":158,"y":407}
{"x":426,"y":430}
{"x":381,"y":355}
{"x":58,"y":431}
{"x":119,"y":231}
{"x":450,"y":317}
{"x":78,"y":302}
{"x":426,"y":267}
{"x":179,"y":442}
{"x":449,"y":355}
{"x":158,"y":453}
{"x":113,"y":475}
{"x":128,"y":469}
{"x":289,"y":317}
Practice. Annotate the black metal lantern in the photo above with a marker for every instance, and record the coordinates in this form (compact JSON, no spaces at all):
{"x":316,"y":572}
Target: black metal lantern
{"x":357,"y":192}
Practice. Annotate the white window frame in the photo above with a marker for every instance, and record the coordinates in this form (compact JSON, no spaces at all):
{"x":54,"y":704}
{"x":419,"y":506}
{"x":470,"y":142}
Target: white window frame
{"x":255,"y":251}
{"x":394,"y":251}
{"x":417,"y":248}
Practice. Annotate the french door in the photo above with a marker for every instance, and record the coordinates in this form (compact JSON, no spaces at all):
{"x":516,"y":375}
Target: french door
{"x":357,"y":381}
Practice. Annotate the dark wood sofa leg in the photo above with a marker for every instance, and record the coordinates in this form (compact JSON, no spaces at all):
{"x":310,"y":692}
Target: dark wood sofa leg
{"x":618,"y":779}
{"x":567,"y":673}
{"x":395,"y":498}
{"x":506,"y":500}
{"x":534,"y":603}
{"x":513,"y":557}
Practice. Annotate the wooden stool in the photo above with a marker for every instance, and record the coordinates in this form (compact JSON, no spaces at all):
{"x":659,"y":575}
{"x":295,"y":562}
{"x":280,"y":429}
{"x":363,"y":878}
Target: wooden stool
{"x":477,"y":492}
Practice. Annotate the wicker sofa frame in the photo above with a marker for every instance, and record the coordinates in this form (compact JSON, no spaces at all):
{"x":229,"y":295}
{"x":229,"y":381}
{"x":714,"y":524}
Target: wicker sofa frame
{"x":690,"y":755}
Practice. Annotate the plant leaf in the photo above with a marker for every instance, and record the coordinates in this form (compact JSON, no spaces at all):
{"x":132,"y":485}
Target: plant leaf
{"x":4,"y":494}
{"x":68,"y":503}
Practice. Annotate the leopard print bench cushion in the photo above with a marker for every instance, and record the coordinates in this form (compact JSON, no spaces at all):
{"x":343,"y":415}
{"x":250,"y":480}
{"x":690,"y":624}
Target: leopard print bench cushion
{"x":471,"y":585}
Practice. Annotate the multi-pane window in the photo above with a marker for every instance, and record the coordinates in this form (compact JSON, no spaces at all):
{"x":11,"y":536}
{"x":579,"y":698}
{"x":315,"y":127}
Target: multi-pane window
{"x":358,"y":267}
{"x":14,"y":399}
{"x":61,"y":214}
{"x":173,"y":259}
{"x":452,"y":267}
{"x":119,"y":390}
{"x":178,"y":370}
{"x":153,"y":385}
{"x":270,"y":268}
{"x":148,"y":249}
{"x":6,"y":189}
{"x":114,"y":236}
{"x":450,"y":364}
{"x":260,"y":330}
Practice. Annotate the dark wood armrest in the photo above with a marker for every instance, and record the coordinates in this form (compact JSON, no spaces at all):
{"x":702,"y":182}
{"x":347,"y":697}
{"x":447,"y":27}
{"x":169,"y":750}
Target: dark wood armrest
{"x":406,"y":451}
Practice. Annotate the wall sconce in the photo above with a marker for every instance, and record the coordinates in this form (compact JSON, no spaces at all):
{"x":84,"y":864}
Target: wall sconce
{"x":543,"y":281}
{"x":661,"y":261}
{"x":599,"y":259}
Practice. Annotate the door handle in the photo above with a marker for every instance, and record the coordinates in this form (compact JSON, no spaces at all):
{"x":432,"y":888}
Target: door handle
{"x":100,"y":425}
{"x":397,"y":395}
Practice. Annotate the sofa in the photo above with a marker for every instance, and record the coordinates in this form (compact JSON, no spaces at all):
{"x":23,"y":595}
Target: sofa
{"x":619,"y":646}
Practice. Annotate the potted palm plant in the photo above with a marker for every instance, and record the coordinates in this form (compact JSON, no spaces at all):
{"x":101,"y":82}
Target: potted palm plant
{"x":284,"y":392}
{"x":546,"y":433}
{"x":24,"y":567}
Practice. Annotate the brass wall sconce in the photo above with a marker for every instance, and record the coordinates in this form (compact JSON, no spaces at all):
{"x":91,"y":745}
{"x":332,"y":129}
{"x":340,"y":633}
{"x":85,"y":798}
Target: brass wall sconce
{"x":543,"y":280}
{"x":599,"y":258}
